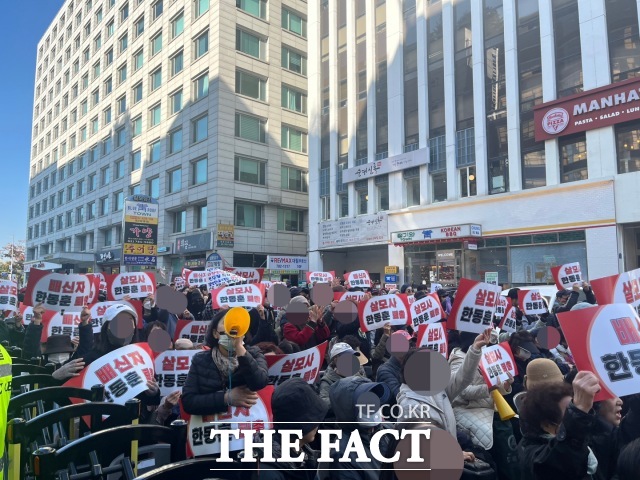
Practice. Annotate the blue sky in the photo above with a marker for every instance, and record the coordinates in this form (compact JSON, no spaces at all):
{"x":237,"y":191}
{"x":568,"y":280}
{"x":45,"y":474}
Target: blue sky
{"x":25,"y":22}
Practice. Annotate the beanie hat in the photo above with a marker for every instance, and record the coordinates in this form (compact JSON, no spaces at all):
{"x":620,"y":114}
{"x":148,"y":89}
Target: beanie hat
{"x":542,"y":370}
{"x":294,"y":400}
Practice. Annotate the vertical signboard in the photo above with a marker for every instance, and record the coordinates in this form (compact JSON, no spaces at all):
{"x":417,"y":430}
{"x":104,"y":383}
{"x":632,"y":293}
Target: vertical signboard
{"x":225,"y":236}
{"x":140,"y":231}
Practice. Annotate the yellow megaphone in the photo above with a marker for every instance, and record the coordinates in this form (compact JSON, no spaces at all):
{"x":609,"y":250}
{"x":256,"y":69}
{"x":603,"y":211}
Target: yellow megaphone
{"x":504,"y":409}
{"x":236,"y":322}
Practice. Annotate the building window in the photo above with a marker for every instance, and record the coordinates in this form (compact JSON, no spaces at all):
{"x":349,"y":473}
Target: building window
{"x":123,"y":43}
{"x":382,"y":185}
{"x":175,"y":101}
{"x":138,"y":60}
{"x":106,"y":115}
{"x":201,"y":44}
{"x":257,"y":8}
{"x":468,"y":182}
{"x":294,"y":139}
{"x":177,"y":25}
{"x":108,"y":57}
{"x":106,"y":146}
{"x":248,"y":215}
{"x":200,"y":6}
{"x":249,"y":170}
{"x":104,"y":205}
{"x":156,"y":9}
{"x":136,"y":160}
{"x":107,"y":237}
{"x":122,"y":104}
{"x":573,"y":158}
{"x":362,"y":197}
{"x":199,"y":171}
{"x":293,"y":99}
{"x":293,"y":179}
{"x":120,"y":137}
{"x":250,"y":44}
{"x":119,"y":170}
{"x":250,"y":128}
{"x":294,"y":23}
{"x":566,"y":29}
{"x":138,"y":27}
{"x":251,"y":85}
{"x":179,"y":221}
{"x":155,"y":115}
{"x":412,"y":186}
{"x":118,"y":201}
{"x":135,"y":189}
{"x":93,"y":182}
{"x":136,"y":125}
{"x":106,"y":176}
{"x":439,"y":187}
{"x":154,"y":151}
{"x":156,"y":44}
{"x":294,"y":61}
{"x":175,"y":141}
{"x":290,"y":220}
{"x":91,"y":210}
{"x":201,"y":87}
{"x":177,"y":63}
{"x":199,"y":127}
{"x":156,"y":79}
{"x":628,"y":147}
{"x":201,"y":216}
{"x":343,"y":205}
{"x":153,"y":187}
{"x":465,"y":147}
{"x":174,"y":183}
{"x":624,"y":48}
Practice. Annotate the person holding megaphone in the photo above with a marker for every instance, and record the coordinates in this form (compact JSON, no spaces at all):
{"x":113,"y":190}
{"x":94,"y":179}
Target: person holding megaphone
{"x":230,"y":373}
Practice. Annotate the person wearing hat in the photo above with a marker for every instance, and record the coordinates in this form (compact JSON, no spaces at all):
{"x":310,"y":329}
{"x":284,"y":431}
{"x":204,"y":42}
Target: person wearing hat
{"x":294,"y":400}
{"x":58,"y":349}
{"x":341,"y":365}
{"x":538,"y":370}
{"x":308,"y":335}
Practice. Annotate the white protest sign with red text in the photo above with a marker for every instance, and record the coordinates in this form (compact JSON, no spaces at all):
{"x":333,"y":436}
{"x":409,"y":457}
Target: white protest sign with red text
{"x":496,"y":363}
{"x":8,"y":295}
{"x":251,"y":275}
{"x":133,"y":284}
{"x":305,"y":365}
{"x":433,"y":336}
{"x":171,"y":368}
{"x":376,"y":312}
{"x":178,"y":282}
{"x":102,"y":282}
{"x":474,"y":306}
{"x":531,"y":302}
{"x":605,"y":340}
{"x":98,"y":310}
{"x":124,"y":373}
{"x":320,"y":277}
{"x":61,"y":324}
{"x":27,"y":315}
{"x":249,"y":295}
{"x":501,"y":306}
{"x":356,"y":297}
{"x":259,"y":417}
{"x":508,"y":322}
{"x":623,"y":288}
{"x":357,"y":278}
{"x":194,"y":330}
{"x":567,"y":275}
{"x":426,"y":310}
{"x":194,"y":278}
{"x":59,"y":291}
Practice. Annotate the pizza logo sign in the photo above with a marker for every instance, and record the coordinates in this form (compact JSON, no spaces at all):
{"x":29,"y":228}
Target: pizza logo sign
{"x":555,"y":121}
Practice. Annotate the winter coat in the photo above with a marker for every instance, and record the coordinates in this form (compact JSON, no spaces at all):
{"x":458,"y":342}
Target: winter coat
{"x":390,"y":373}
{"x":439,"y":406}
{"x":32,"y":336}
{"x":204,"y":389}
{"x":474,"y":407}
{"x":281,"y":470}
{"x":564,"y":456}
{"x":328,"y":379}
{"x":306,"y":336}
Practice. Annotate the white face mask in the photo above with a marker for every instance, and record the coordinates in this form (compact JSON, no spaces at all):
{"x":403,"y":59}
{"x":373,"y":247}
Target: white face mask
{"x":58,"y":358}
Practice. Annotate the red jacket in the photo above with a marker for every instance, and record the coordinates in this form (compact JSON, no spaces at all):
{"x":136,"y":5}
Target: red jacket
{"x":305,"y":336}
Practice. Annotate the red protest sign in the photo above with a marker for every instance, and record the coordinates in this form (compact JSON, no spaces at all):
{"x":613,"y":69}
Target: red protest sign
{"x":474,"y":306}
{"x":531,"y":302}
{"x":27,"y":315}
{"x":508,"y":322}
{"x":178,"y":282}
{"x":194,"y":330}
{"x":622,"y":288}
{"x":59,"y":291}
{"x":357,"y":278}
{"x":605,"y":340}
{"x":133,"y":284}
{"x":98,"y":310}
{"x":61,"y":324}
{"x":496,"y":363}
{"x":376,"y":312}
{"x":252,"y":275}
{"x":433,"y":336}
{"x":305,"y":365}
{"x":320,"y":277}
{"x":501,"y":306}
{"x":567,"y":275}
{"x":194,"y":278}
{"x":172,"y":367}
{"x":102,"y":282}
{"x":8,"y":295}
{"x":259,"y":417}
{"x":249,"y":295}
{"x":426,"y":310}
{"x":356,"y":297}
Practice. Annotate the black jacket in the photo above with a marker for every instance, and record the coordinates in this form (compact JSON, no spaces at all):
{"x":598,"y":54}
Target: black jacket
{"x":390,"y":373}
{"x":262,"y":330}
{"x":280,"y":470}
{"x":204,"y":389}
{"x":561,"y":457}
{"x":32,"y":336}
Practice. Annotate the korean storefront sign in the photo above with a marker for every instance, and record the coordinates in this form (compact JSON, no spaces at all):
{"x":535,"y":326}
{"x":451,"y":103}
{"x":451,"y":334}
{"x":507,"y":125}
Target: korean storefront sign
{"x":140,"y":230}
{"x":388,"y":165}
{"x":110,"y":256}
{"x":289,"y":263}
{"x":354,"y":231}
{"x":225,"y":236}
{"x":200,"y":242}
{"x":437,"y":233}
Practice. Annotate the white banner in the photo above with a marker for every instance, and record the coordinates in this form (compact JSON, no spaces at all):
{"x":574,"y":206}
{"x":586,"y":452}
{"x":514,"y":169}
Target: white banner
{"x":433,"y":336}
{"x":426,"y":310}
{"x":172,"y":367}
{"x":8,"y":295}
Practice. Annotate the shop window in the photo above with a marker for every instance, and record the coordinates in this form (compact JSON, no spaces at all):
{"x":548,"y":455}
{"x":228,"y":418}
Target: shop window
{"x":573,"y":158}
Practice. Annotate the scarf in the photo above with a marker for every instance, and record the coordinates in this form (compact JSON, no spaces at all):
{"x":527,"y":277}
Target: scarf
{"x":226,"y":365}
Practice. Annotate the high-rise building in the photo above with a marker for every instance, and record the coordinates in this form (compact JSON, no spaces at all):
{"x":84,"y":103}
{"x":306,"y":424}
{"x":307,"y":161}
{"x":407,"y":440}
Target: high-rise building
{"x":460,"y":138}
{"x":201,"y":104}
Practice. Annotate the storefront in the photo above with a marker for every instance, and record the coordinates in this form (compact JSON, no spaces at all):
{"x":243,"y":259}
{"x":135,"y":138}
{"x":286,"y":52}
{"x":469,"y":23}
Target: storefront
{"x":109,"y":261}
{"x":190,"y":252}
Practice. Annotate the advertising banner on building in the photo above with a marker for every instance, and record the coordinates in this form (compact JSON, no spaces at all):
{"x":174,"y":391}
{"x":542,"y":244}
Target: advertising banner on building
{"x":200,"y":242}
{"x":140,"y":230}
{"x":362,"y":230}
{"x":289,"y":263}
{"x":474,"y":306}
{"x":396,"y":163}
{"x":436,"y":233}
{"x":225,"y":236}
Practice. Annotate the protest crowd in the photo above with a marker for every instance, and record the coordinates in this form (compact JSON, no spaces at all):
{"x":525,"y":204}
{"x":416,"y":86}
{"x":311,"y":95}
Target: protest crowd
{"x":532,"y":388}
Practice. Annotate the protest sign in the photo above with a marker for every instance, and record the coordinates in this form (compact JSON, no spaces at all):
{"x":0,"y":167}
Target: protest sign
{"x":171,"y":368}
{"x":567,"y":275}
{"x":102,"y":283}
{"x":622,"y":288}
{"x":433,"y":336}
{"x":194,"y":330}
{"x":178,"y":282}
{"x":194,"y":278}
{"x":98,"y":310}
{"x":251,"y":275}
{"x":8,"y":295}
{"x":410,"y":298}
{"x":305,"y":364}
{"x":531,"y":302}
{"x":59,"y":291}
{"x":124,"y":373}
{"x":606,"y":341}
{"x":61,"y":324}
{"x":474,"y":306}
{"x":435,"y":287}
{"x":27,"y":315}
{"x":249,"y":295}
{"x":356,"y":297}
{"x":357,"y":278}
{"x":320,"y":277}
{"x":508,"y":322}
{"x":496,"y":363}
{"x":259,"y":417}
{"x":217,"y":278}
{"x":501,"y":306}
{"x":376,"y":312}
{"x":426,"y":310}
{"x":134,"y":284}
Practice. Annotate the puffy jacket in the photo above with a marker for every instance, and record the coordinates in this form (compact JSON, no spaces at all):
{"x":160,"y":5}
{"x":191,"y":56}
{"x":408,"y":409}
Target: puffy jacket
{"x":440,"y":409}
{"x":564,"y":456}
{"x":306,"y":336}
{"x":204,"y":389}
{"x":390,"y":373}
